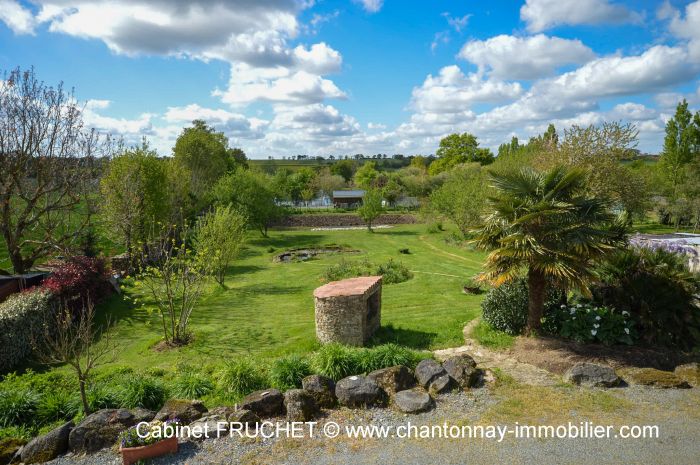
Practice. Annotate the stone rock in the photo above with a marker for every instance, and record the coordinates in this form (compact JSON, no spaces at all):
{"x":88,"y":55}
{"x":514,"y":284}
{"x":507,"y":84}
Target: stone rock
{"x":413,"y":401}
{"x":223,"y":411}
{"x":427,"y":371}
{"x":9,"y":447}
{"x":462,"y":368}
{"x":49,"y":446}
{"x":266,"y":403}
{"x":441,"y":384}
{"x":300,"y":405}
{"x":655,"y":378}
{"x":184,"y":410}
{"x":393,"y":379}
{"x":592,"y":375}
{"x":322,"y":388}
{"x":358,"y":391}
{"x":244,"y":417}
{"x":101,"y":429}
{"x":210,"y":427}
{"x":690,"y":372}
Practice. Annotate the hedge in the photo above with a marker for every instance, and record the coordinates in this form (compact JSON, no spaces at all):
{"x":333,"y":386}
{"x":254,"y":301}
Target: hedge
{"x":21,"y":316}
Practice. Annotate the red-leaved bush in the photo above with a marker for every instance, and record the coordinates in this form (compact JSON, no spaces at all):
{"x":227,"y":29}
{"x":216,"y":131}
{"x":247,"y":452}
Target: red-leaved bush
{"x":79,"y":280}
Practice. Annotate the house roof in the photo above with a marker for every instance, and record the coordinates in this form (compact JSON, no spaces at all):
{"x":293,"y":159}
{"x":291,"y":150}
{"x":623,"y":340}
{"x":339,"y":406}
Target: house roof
{"x":348,"y":194}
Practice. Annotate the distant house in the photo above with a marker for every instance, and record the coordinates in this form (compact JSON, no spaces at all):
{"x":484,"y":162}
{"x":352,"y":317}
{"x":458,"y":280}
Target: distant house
{"x":348,"y":198}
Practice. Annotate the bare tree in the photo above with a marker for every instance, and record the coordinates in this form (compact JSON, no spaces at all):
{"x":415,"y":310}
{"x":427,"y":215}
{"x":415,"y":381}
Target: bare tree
{"x":73,"y":340}
{"x":47,"y":161}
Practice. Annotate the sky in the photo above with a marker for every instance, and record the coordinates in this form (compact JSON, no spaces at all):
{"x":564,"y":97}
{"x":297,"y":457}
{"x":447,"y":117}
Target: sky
{"x":323,"y":77}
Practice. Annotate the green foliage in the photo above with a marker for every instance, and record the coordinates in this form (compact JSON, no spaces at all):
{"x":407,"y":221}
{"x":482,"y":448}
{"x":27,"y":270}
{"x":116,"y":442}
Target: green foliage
{"x":57,"y":405}
{"x":205,"y":154}
{"x":335,"y":361}
{"x":218,"y":238}
{"x":251,"y":193}
{"x":157,"y":430}
{"x":18,"y":407}
{"x":505,"y":307}
{"x":103,"y":395}
{"x":191,"y":385}
{"x":459,"y":148}
{"x":393,"y":272}
{"x":142,"y":391}
{"x":22,"y":318}
{"x":134,"y":195}
{"x":462,"y":197}
{"x":366,"y":176}
{"x":371,"y":207}
{"x":658,"y":290}
{"x":240,"y":377}
{"x":585,"y":322}
{"x":287,"y":372}
{"x":344,"y":168}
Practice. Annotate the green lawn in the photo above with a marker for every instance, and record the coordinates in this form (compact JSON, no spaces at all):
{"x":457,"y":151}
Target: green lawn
{"x":267,"y":308}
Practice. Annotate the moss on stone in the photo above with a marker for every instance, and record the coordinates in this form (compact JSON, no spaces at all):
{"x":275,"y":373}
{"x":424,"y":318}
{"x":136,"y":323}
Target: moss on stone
{"x":655,"y":378}
{"x":8,"y":448}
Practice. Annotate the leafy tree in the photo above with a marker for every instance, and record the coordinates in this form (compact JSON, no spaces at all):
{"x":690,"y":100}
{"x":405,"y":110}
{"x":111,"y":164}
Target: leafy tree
{"x":367,"y":175}
{"x":236,"y":159}
{"x":219,"y":236}
{"x":47,"y":169}
{"x":301,"y":184}
{"x":252,"y":193}
{"x":546,"y":224}
{"x":371,"y":207}
{"x":393,"y":189}
{"x":462,"y":197}
{"x":134,"y":196}
{"x":345,"y":168}
{"x":459,"y":148}
{"x":326,"y":182}
{"x":205,"y":154}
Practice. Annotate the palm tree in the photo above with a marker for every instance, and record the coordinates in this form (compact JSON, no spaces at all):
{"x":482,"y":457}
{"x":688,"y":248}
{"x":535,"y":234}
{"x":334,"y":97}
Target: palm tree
{"x":545,"y":223}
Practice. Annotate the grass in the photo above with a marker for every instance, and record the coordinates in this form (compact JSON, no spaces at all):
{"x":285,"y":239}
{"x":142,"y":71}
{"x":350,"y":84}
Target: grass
{"x":266,"y":309}
{"x":492,"y":338}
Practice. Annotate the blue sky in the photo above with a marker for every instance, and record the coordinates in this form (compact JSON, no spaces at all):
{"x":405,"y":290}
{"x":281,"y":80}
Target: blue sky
{"x":287,"y":77}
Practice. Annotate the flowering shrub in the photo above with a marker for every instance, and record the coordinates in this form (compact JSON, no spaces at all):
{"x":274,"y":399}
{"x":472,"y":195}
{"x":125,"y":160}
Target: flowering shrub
{"x":21,"y":315}
{"x":589,"y":323}
{"x":156,"y":431}
{"x":78,"y":280}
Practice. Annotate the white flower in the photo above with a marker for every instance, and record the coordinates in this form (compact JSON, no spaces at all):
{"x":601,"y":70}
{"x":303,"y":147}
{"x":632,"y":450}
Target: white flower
{"x":596,"y":326}
{"x":625,"y":313}
{"x":573,"y":318}
{"x":627,"y":330}
{"x":578,"y":305}
{"x":573,"y":310}
{"x":594,"y":332}
{"x":597,"y":317}
{"x":563,"y":306}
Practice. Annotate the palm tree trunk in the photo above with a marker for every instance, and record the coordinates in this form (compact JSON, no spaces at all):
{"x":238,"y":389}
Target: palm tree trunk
{"x":536,"y":284}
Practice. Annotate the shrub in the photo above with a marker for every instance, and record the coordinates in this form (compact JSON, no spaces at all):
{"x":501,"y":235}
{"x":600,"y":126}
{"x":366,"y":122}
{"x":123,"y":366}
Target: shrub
{"x":505,"y":307}
{"x":101,"y":396}
{"x":287,"y":372}
{"x":191,"y":385}
{"x":387,"y":355}
{"x":143,"y":391}
{"x":392,"y":271}
{"x":18,"y":407}
{"x":79,"y":280}
{"x":240,"y":377}
{"x":21,"y":316}
{"x":658,"y":290}
{"x":57,"y":405}
{"x":335,"y":361}
{"x":584,"y":322}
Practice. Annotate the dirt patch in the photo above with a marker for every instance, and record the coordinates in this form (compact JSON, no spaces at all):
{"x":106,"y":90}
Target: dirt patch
{"x":557,"y":356}
{"x":341,"y":220}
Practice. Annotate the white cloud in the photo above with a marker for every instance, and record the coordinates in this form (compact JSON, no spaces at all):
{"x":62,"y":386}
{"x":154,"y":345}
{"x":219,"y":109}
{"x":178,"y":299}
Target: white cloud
{"x":509,"y":57}
{"x":371,"y":6}
{"x":19,"y":19}
{"x":234,"y":125}
{"x":686,"y":27}
{"x":457,"y":23}
{"x":544,"y":14}
{"x":452,"y":91}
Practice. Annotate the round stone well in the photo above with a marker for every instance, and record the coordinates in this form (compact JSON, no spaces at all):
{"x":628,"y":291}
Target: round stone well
{"x":348,"y":311}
